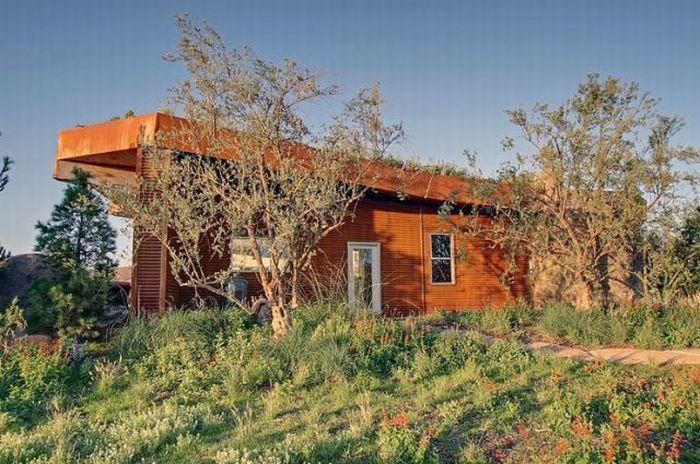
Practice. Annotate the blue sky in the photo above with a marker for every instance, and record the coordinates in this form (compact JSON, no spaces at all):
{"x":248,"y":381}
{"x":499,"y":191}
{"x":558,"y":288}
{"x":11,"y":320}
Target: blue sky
{"x":448,"y":69}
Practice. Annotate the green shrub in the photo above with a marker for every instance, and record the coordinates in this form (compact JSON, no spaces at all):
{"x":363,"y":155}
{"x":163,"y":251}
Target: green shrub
{"x":68,"y":307}
{"x":452,"y":350}
{"x":505,"y":357}
{"x":30,"y":377}
{"x":584,"y":327}
{"x":399,"y":443}
{"x":11,"y":322}
{"x":682,"y":326}
{"x":248,"y":361}
{"x":133,"y":340}
{"x":506,"y":319}
{"x":380,"y":345}
{"x":200,"y":328}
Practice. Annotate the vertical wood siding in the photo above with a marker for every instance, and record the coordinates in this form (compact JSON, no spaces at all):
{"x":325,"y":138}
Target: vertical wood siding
{"x":403,"y":230}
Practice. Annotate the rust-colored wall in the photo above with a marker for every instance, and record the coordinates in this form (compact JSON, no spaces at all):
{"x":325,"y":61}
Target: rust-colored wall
{"x":403,"y":230}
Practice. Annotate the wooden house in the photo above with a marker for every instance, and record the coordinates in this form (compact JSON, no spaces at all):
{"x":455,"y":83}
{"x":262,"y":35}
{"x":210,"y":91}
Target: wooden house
{"x":395,"y":254}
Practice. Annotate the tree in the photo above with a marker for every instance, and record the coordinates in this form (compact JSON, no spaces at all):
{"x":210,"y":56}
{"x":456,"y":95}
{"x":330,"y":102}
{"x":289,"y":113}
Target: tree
{"x":79,"y":245}
{"x":259,"y":191}
{"x":687,"y":248}
{"x":4,"y":179}
{"x":600,"y":173}
{"x":78,"y":234}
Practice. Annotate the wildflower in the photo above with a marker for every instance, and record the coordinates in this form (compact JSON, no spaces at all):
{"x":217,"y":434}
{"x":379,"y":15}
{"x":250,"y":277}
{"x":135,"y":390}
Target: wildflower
{"x":647,"y":404}
{"x":643,"y":431}
{"x":555,"y":377}
{"x":610,"y":447}
{"x":631,"y":438}
{"x":400,"y":420}
{"x":523,"y":433}
{"x":675,"y":451}
{"x":561,"y":447}
{"x":579,"y":427}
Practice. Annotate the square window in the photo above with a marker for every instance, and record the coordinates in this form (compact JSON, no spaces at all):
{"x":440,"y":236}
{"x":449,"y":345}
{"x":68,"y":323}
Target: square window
{"x":440,"y":246}
{"x":441,"y":271}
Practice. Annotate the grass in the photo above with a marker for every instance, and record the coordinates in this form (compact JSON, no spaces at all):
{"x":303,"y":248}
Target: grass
{"x":636,"y":326}
{"x":210,"y":386}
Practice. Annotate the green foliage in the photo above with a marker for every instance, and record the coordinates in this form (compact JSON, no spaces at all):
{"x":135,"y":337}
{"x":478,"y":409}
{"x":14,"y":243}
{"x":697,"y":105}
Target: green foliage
{"x":30,"y":378}
{"x":68,"y":307}
{"x":200,"y":328}
{"x":78,"y":235}
{"x":341,"y":387}
{"x":4,"y":179}
{"x":11,"y":322}
{"x":688,"y":248}
{"x":643,"y":326}
{"x":399,"y":443}
{"x":79,"y":244}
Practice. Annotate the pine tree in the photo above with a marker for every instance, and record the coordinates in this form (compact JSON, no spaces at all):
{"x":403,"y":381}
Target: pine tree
{"x":78,"y":235}
{"x":79,"y":245}
{"x":4,"y":179}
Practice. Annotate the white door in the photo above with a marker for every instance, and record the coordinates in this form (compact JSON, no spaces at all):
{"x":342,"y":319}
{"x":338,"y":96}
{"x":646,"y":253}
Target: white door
{"x":364,"y":279}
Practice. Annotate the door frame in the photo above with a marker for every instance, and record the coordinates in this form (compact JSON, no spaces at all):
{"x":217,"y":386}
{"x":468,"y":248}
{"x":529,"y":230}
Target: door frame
{"x":376,"y":250}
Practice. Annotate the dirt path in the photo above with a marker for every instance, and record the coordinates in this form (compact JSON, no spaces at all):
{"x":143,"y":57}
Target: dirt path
{"x":618,"y":355}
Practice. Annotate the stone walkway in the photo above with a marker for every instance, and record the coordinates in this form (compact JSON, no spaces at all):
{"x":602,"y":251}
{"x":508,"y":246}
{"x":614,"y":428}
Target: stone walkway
{"x":618,"y":355}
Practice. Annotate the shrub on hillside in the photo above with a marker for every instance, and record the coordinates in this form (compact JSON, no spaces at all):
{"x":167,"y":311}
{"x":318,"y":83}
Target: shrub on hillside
{"x":30,"y":377}
{"x":642,"y":325}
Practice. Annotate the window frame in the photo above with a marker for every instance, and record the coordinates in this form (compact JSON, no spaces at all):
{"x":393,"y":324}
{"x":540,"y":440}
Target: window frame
{"x":451,"y":259}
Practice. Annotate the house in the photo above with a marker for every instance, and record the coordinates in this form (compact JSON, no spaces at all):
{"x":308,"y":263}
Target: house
{"x":403,"y":258}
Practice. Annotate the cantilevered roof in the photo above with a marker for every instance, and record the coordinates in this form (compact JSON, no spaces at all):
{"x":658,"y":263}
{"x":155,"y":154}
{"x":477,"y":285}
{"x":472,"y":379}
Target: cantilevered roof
{"x":108,"y":151}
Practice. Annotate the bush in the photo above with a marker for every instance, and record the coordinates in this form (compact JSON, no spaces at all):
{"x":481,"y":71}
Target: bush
{"x":452,"y":350}
{"x":584,"y":327}
{"x":642,"y":326}
{"x":399,"y":443}
{"x":68,"y":307}
{"x":11,"y":322}
{"x":200,"y":328}
{"x":30,"y":377}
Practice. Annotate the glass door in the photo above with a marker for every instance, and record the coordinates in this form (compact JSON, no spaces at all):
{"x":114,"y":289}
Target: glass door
{"x":364,"y":280}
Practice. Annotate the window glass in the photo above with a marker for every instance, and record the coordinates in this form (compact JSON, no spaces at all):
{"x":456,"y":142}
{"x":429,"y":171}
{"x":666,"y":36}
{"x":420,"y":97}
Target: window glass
{"x":242,"y":257}
{"x":441,"y":265}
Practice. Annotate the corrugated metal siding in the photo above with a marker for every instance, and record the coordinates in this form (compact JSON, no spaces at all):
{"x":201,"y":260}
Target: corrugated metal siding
{"x":148,"y":254}
{"x":405,"y":260}
{"x":403,"y":230}
{"x":211,"y":264}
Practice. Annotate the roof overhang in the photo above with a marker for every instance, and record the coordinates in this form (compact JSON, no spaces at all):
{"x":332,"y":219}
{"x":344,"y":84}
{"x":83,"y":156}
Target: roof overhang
{"x":108,"y":151}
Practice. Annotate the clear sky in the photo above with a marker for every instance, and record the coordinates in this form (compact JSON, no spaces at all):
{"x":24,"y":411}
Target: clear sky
{"x":448,"y":69}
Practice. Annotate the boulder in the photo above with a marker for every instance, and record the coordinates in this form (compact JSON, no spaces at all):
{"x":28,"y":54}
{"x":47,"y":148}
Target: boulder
{"x":18,"y":274}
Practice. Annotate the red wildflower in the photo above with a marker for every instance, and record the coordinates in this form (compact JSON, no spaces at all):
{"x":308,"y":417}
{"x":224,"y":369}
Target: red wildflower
{"x":561,"y":447}
{"x":675,"y":451}
{"x":523,"y":433}
{"x":579,"y":427}
{"x":610,"y":447}
{"x":400,"y":420}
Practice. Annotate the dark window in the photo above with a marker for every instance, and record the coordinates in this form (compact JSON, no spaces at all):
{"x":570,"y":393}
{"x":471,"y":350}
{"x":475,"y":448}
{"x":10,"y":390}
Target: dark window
{"x":441,"y":264}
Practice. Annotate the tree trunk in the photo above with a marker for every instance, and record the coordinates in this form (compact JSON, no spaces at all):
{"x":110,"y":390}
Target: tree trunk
{"x":281,"y":320}
{"x":295,"y":288}
{"x":595,"y":293}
